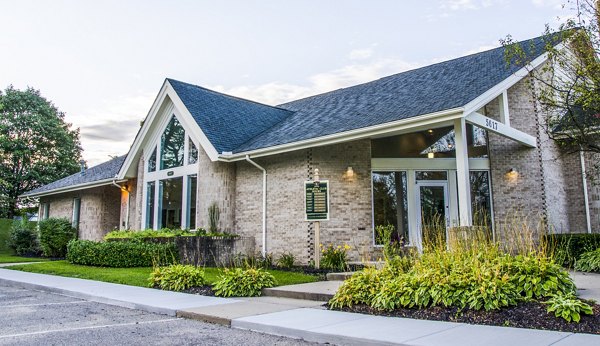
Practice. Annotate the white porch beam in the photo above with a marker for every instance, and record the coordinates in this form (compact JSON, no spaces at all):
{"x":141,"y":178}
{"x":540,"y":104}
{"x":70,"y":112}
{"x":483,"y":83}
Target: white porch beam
{"x":504,"y":113}
{"x":501,"y":129}
{"x":462,"y":172}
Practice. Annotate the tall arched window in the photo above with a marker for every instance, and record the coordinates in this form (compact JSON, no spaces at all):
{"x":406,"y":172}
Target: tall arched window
{"x":170,"y":179}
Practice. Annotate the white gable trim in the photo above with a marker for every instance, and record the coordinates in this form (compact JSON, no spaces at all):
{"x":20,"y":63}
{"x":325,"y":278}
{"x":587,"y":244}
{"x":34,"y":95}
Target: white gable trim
{"x":165,"y":94}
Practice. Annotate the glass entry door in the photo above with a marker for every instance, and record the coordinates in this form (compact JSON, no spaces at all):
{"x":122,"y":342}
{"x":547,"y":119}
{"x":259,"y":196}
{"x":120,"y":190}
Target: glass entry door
{"x":433,"y":212}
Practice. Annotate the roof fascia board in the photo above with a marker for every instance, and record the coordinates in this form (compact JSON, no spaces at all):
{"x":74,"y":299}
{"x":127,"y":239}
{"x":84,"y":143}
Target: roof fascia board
{"x":347,"y":136}
{"x":504,"y":85}
{"x":501,"y":129}
{"x":205,"y":143}
{"x":160,"y":98}
{"x":71,"y":188}
{"x":166,"y":90}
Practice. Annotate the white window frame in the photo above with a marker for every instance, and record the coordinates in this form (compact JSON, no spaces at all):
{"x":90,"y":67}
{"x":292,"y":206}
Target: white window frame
{"x":162,"y":174}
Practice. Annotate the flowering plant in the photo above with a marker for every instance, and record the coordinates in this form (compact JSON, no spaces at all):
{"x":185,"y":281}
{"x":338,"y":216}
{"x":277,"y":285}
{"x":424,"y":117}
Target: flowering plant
{"x":334,"y":257}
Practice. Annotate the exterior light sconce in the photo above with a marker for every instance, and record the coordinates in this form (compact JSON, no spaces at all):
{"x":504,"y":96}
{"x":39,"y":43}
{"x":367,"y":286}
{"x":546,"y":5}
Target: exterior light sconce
{"x":349,"y":172}
{"x":430,"y":131}
{"x":512,"y":174}
{"x":430,"y":155}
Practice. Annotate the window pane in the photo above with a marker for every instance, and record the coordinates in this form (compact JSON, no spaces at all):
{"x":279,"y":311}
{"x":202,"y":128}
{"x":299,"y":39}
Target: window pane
{"x":171,"y":202}
{"x":480,"y":198}
{"x":152,"y":161}
{"x":390,"y":204}
{"x":172,"y":145}
{"x":439,"y":143}
{"x":192,"y":191}
{"x":192,"y":152}
{"x":432,"y":175}
{"x":76,"y":212}
{"x":150,"y":205}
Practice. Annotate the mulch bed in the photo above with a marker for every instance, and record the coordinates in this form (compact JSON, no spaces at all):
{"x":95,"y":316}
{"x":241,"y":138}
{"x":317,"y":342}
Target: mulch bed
{"x":525,"y":315}
{"x":205,"y":290}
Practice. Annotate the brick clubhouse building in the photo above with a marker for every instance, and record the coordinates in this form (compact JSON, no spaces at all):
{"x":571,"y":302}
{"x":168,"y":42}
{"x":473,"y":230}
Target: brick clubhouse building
{"x":450,"y":142}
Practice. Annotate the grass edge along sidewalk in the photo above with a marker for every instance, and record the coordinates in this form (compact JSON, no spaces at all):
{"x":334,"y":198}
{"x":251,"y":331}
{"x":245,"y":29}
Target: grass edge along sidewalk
{"x":138,"y":276}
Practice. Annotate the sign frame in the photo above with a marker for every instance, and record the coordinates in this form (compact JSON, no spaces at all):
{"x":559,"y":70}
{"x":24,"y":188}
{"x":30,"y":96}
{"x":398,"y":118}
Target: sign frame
{"x":306,"y":214}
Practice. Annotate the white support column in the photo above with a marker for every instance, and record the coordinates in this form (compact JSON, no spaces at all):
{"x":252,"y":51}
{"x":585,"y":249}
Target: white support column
{"x":462,"y":172}
{"x":504,"y":113}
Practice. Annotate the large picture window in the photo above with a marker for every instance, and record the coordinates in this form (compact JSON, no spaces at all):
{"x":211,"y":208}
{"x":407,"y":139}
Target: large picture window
{"x":172,"y":145}
{"x":390,"y":204}
{"x":171,"y":178}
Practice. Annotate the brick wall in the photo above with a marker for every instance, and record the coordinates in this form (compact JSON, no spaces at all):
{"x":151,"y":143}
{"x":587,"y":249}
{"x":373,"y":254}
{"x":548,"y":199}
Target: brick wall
{"x":548,"y":184}
{"x":216,"y":184}
{"x":350,"y":200}
{"x":99,"y":210}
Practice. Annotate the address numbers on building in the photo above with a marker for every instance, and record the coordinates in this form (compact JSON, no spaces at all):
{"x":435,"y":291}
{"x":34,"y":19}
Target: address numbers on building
{"x":317,"y":200}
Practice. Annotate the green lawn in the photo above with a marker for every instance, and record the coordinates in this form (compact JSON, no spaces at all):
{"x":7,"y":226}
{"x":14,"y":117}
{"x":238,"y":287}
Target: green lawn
{"x":137,"y":276}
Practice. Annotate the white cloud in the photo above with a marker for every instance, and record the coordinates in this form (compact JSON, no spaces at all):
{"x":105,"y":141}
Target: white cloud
{"x":108,"y":129}
{"x":457,"y":5}
{"x":361,"y":54}
{"x":555,"y":4}
{"x":274,"y":93}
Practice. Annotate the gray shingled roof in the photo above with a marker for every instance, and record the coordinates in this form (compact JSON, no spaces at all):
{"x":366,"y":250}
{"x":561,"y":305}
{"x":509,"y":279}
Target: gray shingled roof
{"x":227,"y":121}
{"x":425,"y":90}
{"x":102,"y":171}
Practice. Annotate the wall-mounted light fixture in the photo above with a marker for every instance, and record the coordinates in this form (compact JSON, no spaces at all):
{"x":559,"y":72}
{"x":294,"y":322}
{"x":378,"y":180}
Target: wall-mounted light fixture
{"x":512,"y":173}
{"x":430,"y":155}
{"x":430,"y":131}
{"x":349,"y":172}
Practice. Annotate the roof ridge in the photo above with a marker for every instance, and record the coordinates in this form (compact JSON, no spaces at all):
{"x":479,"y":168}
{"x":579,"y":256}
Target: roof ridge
{"x":416,"y":69}
{"x":227,"y":95}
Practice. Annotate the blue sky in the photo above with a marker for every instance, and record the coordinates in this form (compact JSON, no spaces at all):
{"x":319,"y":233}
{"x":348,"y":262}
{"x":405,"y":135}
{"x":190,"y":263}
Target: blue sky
{"x":102,"y":62}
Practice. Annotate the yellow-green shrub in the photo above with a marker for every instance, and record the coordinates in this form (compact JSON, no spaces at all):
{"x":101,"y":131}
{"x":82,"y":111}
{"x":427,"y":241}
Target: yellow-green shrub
{"x":176,"y":277}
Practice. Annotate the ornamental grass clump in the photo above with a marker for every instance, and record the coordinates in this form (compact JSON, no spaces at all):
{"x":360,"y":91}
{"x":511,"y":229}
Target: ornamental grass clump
{"x":334,"y":257}
{"x":238,"y":282}
{"x":176,"y":277}
{"x":470,"y":271}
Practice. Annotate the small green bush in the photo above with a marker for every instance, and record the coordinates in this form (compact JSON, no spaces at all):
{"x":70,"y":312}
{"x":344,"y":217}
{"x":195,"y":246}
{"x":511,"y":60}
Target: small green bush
{"x":55,"y":233}
{"x":122,"y":254}
{"x":334,"y":257}
{"x":23,"y":238}
{"x":566,"y":249}
{"x":286,"y":260}
{"x":239,"y":282}
{"x":589,"y":261}
{"x":568,"y":307}
{"x":177,"y":277}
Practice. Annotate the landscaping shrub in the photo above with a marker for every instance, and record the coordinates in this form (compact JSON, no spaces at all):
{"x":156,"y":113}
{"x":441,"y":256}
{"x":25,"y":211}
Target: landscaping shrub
{"x":239,"y":282}
{"x":121,"y":254}
{"x":162,"y":233}
{"x":253,"y":261}
{"x":55,"y":233}
{"x":177,"y":277}
{"x":479,"y":278}
{"x":566,"y":249}
{"x":286,"y":260}
{"x":568,"y":307}
{"x":23,"y":238}
{"x":334,"y":258}
{"x":589,"y":261}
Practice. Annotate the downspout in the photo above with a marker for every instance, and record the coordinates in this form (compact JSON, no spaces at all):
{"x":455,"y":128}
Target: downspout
{"x":264,"y":205}
{"x":585,"y":192}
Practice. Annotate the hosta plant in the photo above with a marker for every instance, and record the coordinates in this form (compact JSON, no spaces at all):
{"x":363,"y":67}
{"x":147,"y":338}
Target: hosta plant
{"x":238,"y":282}
{"x":177,"y":277}
{"x":568,"y":307}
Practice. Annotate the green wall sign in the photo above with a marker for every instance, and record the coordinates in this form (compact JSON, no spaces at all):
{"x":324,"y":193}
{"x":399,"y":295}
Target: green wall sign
{"x":317,"y":200}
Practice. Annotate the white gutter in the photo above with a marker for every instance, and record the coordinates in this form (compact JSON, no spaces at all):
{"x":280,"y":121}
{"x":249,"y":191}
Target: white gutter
{"x":72,"y":188}
{"x":264,"y":205}
{"x":585,"y":192}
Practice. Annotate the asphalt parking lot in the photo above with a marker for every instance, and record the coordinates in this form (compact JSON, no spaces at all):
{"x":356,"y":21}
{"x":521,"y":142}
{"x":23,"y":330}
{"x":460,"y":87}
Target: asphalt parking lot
{"x":30,"y":317}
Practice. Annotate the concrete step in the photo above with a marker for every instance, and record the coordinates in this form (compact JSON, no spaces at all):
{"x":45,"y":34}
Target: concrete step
{"x":339,"y":276}
{"x":321,"y":291}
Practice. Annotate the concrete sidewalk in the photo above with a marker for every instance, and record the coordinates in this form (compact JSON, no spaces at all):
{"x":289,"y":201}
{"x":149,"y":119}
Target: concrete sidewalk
{"x":295,"y":318}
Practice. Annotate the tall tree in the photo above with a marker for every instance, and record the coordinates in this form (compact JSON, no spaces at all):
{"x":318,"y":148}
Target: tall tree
{"x":568,"y":86}
{"x":37,"y":146}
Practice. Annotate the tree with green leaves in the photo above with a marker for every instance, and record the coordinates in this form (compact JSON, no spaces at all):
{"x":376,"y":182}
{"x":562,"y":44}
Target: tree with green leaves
{"x":567,"y":87}
{"x":37,"y":146}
